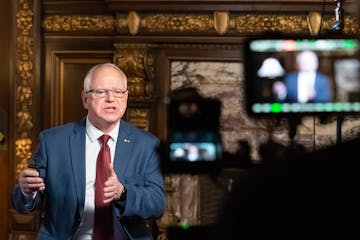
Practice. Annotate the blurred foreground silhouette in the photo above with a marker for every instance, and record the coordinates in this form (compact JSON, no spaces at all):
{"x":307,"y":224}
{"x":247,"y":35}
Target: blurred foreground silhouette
{"x":303,"y":195}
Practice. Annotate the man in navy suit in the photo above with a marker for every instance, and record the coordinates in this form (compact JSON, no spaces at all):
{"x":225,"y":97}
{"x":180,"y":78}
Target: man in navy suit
{"x":64,"y":168}
{"x":307,"y":85}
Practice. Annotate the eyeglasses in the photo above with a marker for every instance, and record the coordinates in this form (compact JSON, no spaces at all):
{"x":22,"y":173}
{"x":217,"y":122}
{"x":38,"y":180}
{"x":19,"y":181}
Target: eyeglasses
{"x":102,"y":93}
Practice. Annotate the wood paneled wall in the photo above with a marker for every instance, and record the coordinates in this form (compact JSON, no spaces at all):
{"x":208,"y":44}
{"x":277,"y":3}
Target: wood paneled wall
{"x":56,"y":41}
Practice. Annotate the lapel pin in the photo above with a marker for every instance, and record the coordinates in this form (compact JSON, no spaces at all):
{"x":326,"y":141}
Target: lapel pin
{"x":126,"y":140}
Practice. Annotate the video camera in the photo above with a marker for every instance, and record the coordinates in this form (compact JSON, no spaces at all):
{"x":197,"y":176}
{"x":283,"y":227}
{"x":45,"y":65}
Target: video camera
{"x":193,"y":143}
{"x":193,"y":138}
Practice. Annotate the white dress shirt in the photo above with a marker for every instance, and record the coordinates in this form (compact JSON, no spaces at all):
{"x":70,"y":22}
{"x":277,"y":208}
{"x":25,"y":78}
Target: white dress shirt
{"x":306,"y":86}
{"x":92,"y":149}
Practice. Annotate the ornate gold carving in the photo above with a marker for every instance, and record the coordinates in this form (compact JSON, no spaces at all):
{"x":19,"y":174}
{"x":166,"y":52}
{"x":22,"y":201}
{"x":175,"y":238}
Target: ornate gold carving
{"x":177,"y":23}
{"x":24,"y":76}
{"x":25,"y":124}
{"x":133,"y":20}
{"x":139,"y":117}
{"x":251,"y":23}
{"x":314,"y":22}
{"x":23,"y":153}
{"x":138,"y":65}
{"x":181,"y":23}
{"x":89,"y":23}
{"x":221,"y":22}
{"x":351,"y":24}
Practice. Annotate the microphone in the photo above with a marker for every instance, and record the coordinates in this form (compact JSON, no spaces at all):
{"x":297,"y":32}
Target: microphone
{"x":338,"y":25}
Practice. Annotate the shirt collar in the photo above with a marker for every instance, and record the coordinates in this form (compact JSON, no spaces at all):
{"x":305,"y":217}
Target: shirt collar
{"x":308,"y":73}
{"x":94,"y":133}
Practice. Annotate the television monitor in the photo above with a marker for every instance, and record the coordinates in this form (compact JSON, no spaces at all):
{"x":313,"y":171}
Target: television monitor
{"x":301,"y":75}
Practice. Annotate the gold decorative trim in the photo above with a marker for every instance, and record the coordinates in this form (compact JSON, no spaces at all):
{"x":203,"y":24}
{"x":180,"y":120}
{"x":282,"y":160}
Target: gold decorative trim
{"x":139,"y":117}
{"x":177,"y":23}
{"x":75,"y":23}
{"x":351,"y":24}
{"x":314,"y":22}
{"x":137,"y":62}
{"x":133,"y":20}
{"x":24,"y":77}
{"x":23,"y":153}
{"x":251,"y":23}
{"x":220,"y":23}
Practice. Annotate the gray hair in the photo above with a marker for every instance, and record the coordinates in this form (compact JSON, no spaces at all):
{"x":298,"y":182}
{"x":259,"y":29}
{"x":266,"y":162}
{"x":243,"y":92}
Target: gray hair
{"x":88,"y":76}
{"x":308,"y":58}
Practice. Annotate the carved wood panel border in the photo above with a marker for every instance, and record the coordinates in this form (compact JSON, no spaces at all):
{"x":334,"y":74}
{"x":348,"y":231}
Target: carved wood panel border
{"x":194,"y":24}
{"x":26,"y":78}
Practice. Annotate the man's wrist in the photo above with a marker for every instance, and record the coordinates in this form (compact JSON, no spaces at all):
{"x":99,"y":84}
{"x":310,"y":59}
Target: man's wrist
{"x":29,"y":195}
{"x":123,"y":194}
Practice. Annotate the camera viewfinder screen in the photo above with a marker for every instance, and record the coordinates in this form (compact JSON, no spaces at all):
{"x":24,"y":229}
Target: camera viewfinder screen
{"x":193,"y":151}
{"x":302,"y":75}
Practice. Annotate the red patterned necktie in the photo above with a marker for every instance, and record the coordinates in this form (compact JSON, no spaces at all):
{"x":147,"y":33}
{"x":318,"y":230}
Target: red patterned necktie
{"x":103,"y":222}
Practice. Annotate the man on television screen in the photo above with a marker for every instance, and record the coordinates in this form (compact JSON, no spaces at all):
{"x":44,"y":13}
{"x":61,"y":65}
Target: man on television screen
{"x":307,"y":84}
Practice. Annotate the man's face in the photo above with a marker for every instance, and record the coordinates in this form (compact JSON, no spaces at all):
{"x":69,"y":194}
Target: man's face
{"x":307,"y":61}
{"x":105,"y":112}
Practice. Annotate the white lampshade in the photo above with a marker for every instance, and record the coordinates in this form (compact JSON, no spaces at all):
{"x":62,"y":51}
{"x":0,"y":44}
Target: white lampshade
{"x":271,"y":68}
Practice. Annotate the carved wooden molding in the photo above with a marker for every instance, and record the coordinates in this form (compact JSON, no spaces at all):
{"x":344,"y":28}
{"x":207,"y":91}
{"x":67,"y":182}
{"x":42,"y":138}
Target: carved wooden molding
{"x":24,"y":77}
{"x":139,"y":117}
{"x":93,"y":23}
{"x":218,"y":23}
{"x":137,"y":63}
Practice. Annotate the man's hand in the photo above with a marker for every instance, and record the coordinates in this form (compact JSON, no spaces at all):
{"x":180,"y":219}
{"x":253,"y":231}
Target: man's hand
{"x":113,"y":187}
{"x":30,"y":181}
{"x":279,"y":89}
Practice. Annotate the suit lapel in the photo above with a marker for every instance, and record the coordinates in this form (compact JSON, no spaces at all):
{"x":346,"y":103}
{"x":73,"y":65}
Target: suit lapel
{"x":77,"y":152}
{"x":124,"y":145}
